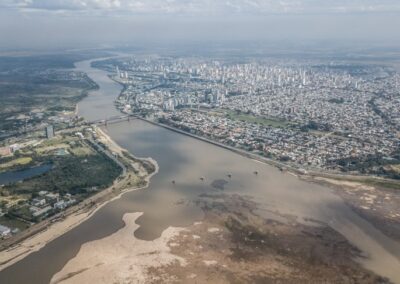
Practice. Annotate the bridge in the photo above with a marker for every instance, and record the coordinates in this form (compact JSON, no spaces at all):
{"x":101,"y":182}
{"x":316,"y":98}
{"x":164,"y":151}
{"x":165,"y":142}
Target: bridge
{"x":112,"y":119}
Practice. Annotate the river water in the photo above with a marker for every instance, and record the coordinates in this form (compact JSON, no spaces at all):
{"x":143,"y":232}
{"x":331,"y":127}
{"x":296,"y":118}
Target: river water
{"x":185,"y":160}
{"x":100,"y":103}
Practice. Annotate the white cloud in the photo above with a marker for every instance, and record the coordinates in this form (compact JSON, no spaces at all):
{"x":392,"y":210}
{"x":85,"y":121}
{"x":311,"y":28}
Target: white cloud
{"x":68,"y":4}
{"x":210,"y":6}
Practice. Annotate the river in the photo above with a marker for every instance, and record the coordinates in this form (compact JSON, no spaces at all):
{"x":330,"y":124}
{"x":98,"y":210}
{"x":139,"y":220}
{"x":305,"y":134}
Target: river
{"x":185,"y":160}
{"x":100,"y":103}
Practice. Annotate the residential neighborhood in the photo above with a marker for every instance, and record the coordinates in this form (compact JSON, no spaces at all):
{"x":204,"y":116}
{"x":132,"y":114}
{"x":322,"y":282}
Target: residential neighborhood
{"x":315,"y":115}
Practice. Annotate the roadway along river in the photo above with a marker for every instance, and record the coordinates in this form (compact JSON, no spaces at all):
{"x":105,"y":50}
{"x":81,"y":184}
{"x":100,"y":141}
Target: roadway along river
{"x":184,"y":160}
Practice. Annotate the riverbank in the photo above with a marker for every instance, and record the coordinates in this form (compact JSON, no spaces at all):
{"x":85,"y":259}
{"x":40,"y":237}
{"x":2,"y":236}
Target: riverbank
{"x":380,"y":206}
{"x":297,"y":170}
{"x":372,"y":191}
{"x":337,"y":178}
{"x":37,"y":236}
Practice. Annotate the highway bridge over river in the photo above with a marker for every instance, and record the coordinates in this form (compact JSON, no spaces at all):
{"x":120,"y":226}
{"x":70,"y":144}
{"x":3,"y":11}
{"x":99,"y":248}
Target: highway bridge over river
{"x":113,"y":119}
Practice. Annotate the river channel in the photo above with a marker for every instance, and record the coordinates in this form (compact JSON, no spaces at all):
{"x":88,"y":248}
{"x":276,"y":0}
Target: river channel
{"x":185,"y":160}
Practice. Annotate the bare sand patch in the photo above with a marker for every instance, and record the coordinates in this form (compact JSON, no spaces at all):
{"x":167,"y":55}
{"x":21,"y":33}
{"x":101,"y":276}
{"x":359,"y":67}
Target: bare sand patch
{"x":120,"y":257}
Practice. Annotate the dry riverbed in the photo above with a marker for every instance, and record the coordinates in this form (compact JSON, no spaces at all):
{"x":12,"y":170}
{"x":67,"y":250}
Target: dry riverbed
{"x":380,"y":206}
{"x":232,"y":244}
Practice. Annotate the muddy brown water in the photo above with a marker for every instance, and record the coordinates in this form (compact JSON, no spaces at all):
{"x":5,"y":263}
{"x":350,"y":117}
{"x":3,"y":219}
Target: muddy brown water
{"x":186,"y":160}
{"x":100,"y":103}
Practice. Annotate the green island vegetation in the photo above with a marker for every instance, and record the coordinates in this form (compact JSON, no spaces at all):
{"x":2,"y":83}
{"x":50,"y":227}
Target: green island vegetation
{"x":78,"y":171}
{"x":72,"y":174}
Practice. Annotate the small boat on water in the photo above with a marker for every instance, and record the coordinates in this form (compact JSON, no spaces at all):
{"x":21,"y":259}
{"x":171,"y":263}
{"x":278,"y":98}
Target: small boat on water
{"x":255,"y":172}
{"x":173,"y":182}
{"x":202,"y":178}
{"x":229,"y":175}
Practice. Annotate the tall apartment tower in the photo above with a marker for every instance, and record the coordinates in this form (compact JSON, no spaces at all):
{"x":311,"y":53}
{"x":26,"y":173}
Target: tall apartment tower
{"x":49,"y":131}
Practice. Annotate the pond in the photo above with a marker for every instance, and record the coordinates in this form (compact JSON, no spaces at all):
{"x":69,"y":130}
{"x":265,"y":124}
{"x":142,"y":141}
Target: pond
{"x":20,"y":175}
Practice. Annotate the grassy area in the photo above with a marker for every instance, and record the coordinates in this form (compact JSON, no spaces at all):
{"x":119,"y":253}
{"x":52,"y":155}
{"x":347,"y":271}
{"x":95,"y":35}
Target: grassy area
{"x":10,"y":200}
{"x":43,"y":150}
{"x":81,"y":151}
{"x":257,"y":119}
{"x":16,"y":162}
{"x":70,"y":143}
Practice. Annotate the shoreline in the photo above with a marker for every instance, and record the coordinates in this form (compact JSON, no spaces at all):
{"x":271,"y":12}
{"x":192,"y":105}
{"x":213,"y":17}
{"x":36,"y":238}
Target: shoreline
{"x":56,"y":226}
{"x":344,"y":178}
{"x":292,"y":169}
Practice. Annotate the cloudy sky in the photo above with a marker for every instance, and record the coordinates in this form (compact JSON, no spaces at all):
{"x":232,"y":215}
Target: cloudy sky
{"x":58,"y":23}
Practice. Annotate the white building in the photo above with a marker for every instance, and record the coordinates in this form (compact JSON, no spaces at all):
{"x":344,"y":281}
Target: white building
{"x":4,"y":231}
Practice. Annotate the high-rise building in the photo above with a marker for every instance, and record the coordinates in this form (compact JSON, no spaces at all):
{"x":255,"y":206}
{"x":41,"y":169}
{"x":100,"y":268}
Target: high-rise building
{"x":49,"y":132}
{"x":118,"y":72}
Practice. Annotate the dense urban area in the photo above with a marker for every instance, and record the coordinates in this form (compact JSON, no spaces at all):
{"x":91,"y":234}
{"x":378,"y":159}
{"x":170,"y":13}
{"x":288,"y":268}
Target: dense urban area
{"x":335,"y":116}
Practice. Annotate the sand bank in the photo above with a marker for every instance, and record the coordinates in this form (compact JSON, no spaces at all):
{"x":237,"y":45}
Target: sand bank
{"x":120,"y":257}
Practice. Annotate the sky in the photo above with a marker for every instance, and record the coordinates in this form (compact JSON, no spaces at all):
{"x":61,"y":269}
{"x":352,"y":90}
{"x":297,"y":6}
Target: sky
{"x":83,"y":23}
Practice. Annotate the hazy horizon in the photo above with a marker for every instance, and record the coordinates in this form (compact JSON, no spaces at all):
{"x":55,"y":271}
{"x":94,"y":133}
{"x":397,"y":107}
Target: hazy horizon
{"x":45,"y":24}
